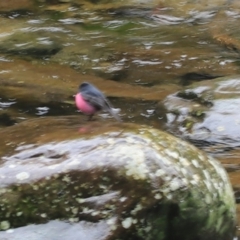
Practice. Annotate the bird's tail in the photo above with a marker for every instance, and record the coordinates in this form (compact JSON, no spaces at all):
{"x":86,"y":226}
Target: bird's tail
{"x":113,"y":112}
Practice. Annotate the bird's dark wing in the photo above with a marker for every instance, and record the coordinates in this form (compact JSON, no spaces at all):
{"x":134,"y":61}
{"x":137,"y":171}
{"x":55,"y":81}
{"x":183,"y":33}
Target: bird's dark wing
{"x":93,"y":100}
{"x":100,"y":103}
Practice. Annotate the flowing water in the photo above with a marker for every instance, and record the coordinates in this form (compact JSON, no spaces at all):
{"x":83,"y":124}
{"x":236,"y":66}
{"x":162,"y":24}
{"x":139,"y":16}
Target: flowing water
{"x":136,"y":52}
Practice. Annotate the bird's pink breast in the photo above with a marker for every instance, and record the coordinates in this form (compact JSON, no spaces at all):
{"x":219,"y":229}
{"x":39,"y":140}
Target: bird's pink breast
{"x":83,"y":105}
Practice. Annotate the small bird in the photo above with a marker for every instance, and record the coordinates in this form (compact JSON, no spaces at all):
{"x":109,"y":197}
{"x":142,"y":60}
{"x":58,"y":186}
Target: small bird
{"x":91,"y":100}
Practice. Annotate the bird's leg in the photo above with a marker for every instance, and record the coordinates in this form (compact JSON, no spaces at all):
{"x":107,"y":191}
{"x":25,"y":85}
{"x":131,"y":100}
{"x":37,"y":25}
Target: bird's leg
{"x":90,"y":117}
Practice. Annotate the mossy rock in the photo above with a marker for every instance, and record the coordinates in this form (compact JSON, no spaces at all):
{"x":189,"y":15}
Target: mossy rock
{"x":142,"y":182}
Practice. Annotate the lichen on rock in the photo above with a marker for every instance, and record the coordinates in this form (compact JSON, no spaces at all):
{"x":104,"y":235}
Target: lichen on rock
{"x":141,"y":182}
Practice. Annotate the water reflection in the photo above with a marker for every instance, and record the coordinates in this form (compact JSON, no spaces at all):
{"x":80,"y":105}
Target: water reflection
{"x":7,"y":104}
{"x":42,"y":110}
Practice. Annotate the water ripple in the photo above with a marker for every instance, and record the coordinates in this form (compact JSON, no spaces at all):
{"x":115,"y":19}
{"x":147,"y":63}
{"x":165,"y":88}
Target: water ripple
{"x":47,"y":29}
{"x":69,"y":21}
{"x":6,"y":104}
{"x":142,"y":62}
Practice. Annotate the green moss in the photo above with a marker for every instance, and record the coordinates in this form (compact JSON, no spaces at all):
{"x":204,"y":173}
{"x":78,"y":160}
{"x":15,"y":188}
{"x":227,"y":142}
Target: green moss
{"x":200,"y":114}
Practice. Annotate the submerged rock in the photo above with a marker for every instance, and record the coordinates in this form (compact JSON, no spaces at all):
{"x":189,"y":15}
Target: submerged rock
{"x":132,"y":182}
{"x":13,"y":5}
{"x":28,"y":43}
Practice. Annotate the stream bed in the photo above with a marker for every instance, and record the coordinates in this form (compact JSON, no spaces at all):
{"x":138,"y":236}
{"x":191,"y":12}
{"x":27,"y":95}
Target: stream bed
{"x":170,"y":65}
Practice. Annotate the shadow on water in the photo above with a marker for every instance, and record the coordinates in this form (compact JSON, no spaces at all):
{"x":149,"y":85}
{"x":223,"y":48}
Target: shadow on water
{"x":134,"y":111}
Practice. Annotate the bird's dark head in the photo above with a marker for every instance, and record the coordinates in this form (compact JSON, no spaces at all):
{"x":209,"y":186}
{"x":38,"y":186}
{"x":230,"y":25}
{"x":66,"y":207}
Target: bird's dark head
{"x":83,"y":86}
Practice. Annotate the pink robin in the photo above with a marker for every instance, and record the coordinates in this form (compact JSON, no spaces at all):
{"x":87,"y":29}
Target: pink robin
{"x":91,"y":100}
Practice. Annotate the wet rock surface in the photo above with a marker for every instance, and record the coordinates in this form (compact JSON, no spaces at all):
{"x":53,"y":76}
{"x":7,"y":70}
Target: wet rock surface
{"x":130,"y":181}
{"x":59,"y":230}
{"x":207,"y":113}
